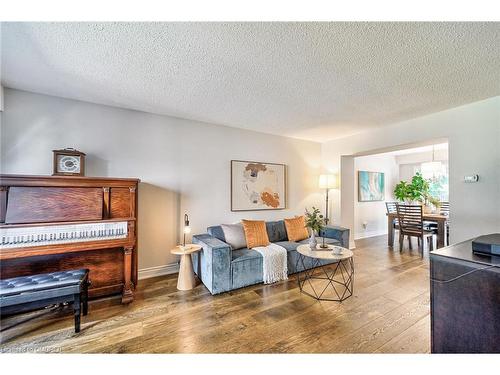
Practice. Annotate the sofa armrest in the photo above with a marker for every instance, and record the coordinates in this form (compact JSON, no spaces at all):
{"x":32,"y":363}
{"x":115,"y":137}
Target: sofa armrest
{"x":213,"y":263}
{"x":338,"y":233}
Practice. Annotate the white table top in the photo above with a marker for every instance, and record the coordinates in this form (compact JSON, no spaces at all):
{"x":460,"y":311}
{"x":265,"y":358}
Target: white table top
{"x":325,"y":253}
{"x":183,"y":250}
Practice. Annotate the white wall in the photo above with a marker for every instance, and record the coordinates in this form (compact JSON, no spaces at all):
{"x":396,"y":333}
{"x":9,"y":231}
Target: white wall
{"x":407,"y":171}
{"x":473,"y":133}
{"x":184,"y":165}
{"x":422,"y":157}
{"x":1,"y":98}
{"x":373,"y":213}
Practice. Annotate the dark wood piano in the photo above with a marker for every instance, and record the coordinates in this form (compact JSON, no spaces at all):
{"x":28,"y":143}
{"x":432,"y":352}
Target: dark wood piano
{"x":54,"y":223}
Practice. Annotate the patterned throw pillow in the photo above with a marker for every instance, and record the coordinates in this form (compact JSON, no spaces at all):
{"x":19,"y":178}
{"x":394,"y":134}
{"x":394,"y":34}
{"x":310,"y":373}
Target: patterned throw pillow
{"x":255,"y":233}
{"x":296,"y":229}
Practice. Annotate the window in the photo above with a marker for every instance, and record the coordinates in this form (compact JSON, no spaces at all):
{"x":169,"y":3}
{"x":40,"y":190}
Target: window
{"x":439,"y":183}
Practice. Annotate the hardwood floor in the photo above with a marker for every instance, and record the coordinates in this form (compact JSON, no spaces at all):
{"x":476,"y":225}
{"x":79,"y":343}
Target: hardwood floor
{"x":388,"y":313}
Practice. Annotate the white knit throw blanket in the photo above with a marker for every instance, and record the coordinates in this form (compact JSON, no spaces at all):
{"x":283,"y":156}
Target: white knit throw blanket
{"x":274,"y":263}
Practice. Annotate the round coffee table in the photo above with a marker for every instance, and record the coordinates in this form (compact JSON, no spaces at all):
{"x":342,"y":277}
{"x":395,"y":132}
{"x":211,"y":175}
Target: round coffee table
{"x":326,"y":282}
{"x":186,"y":279}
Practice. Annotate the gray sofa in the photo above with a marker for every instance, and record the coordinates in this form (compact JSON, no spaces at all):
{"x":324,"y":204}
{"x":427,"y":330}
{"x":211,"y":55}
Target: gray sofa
{"x":222,"y":269}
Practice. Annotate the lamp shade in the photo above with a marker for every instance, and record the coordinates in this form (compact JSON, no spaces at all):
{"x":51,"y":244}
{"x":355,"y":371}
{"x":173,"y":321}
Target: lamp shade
{"x":327,"y":181}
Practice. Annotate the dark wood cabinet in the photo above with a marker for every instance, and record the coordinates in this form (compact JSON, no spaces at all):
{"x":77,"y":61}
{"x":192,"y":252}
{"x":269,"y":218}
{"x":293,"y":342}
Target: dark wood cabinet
{"x":465,"y":301}
{"x":55,"y":223}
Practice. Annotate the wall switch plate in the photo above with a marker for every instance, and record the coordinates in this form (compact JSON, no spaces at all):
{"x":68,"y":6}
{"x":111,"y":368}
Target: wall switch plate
{"x":472,"y":178}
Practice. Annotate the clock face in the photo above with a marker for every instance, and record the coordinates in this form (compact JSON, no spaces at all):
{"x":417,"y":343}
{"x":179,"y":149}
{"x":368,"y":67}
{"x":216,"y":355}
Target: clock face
{"x":68,"y":164}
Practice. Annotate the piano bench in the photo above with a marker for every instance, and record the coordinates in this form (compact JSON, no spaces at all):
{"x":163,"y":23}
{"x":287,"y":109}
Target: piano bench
{"x":20,"y":294}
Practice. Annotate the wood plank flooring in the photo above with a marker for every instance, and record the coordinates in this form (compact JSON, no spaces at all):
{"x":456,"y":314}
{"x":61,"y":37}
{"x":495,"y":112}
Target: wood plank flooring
{"x":388,"y":313}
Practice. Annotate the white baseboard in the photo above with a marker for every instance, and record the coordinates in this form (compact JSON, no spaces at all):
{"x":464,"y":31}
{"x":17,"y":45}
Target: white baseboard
{"x":370,"y":234}
{"x":167,"y":269}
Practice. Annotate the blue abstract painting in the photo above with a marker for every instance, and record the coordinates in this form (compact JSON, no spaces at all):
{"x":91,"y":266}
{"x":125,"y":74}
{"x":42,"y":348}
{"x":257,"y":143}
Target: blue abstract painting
{"x":371,"y":186}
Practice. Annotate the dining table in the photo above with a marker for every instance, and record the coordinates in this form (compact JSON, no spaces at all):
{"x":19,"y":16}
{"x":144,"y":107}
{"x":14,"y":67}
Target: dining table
{"x":437,"y":218}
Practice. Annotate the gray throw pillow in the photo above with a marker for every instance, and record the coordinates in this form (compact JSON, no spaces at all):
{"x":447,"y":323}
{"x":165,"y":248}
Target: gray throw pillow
{"x":235,"y":236}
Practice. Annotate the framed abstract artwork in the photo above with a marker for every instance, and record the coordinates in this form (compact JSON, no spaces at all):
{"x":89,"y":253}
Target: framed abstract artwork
{"x":371,"y":186}
{"x":257,"y":186}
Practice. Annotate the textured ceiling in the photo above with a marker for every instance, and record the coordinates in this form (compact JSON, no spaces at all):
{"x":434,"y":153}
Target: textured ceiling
{"x":308,"y":80}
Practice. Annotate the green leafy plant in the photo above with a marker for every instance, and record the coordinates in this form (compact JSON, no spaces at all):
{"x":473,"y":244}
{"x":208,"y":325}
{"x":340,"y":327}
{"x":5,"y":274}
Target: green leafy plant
{"x":401,"y":191}
{"x":417,"y":190}
{"x":314,"y":220}
{"x":420,"y":187}
{"x":434,"y":201}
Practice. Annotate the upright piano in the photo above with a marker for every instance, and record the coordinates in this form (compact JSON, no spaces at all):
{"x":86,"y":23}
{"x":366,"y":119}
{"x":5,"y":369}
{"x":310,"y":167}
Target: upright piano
{"x":55,"y":223}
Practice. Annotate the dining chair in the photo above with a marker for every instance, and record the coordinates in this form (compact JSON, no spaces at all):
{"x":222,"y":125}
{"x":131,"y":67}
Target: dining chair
{"x":444,"y":209}
{"x":392,"y":209}
{"x":411,"y":224}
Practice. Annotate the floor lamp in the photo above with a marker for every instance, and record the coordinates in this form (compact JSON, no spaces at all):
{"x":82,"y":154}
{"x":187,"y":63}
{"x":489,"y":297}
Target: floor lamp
{"x":327,"y":182}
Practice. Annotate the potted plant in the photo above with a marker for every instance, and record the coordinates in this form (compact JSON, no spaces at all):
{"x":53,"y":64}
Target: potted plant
{"x":315,"y":221}
{"x":432,"y":201}
{"x":417,"y":190}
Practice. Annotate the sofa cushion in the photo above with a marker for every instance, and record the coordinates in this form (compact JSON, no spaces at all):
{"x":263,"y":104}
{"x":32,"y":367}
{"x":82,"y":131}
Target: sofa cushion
{"x":246,"y":268}
{"x":244,"y":254}
{"x":288,"y":245}
{"x":255,"y":233}
{"x":276,"y":231}
{"x":235,"y":236}
{"x":246,"y":264}
{"x":296,"y":228}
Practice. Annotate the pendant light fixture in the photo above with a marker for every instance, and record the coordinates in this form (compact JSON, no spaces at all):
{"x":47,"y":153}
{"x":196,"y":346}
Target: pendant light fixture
{"x":433,"y":168}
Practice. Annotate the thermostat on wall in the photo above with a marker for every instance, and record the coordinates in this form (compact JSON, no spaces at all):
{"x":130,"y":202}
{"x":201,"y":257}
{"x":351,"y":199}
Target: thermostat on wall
{"x":472,"y":178}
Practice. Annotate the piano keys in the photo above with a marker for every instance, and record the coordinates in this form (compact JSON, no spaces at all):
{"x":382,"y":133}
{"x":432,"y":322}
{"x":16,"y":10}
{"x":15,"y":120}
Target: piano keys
{"x":18,"y":237}
{"x":53,"y":223}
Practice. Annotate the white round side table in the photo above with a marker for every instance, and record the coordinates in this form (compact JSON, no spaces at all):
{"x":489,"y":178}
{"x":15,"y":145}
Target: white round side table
{"x":186,"y":279}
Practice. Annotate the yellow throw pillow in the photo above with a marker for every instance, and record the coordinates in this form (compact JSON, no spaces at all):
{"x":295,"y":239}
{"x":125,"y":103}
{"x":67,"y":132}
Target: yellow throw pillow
{"x":255,"y":233}
{"x":296,"y":229}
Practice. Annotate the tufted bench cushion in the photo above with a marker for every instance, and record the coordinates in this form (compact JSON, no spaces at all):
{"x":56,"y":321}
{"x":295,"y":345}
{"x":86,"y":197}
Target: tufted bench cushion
{"x":26,"y":293}
{"x":18,"y":285}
